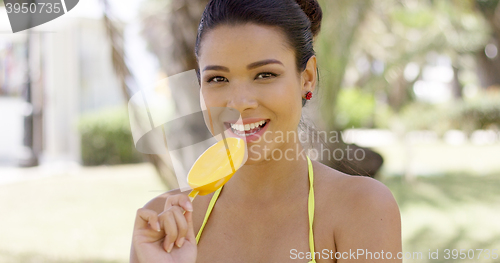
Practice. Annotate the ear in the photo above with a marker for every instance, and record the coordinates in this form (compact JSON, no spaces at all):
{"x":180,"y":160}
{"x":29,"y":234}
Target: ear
{"x":309,"y":76}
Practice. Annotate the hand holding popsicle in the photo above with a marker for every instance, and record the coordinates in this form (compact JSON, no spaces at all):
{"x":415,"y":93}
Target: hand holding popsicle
{"x":169,"y":236}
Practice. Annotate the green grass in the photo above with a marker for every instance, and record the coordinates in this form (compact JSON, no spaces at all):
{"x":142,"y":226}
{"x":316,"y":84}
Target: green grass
{"x":83,"y":217}
{"x":88,"y":216}
{"x":453,"y":204}
{"x":453,"y":211}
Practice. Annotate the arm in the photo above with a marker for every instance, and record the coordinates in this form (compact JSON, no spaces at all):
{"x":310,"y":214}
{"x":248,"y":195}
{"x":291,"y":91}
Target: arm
{"x":372,"y":223}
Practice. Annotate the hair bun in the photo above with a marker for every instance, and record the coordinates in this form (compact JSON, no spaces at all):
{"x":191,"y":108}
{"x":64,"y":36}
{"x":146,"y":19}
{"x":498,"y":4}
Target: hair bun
{"x":314,"y":12}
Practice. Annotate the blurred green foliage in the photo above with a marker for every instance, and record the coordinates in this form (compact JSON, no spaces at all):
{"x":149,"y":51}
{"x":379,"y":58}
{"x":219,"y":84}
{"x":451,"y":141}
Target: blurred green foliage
{"x":389,"y":37}
{"x":355,"y":108}
{"x":419,"y":18}
{"x":106,"y":138}
{"x":424,"y":116}
{"x":480,"y":112}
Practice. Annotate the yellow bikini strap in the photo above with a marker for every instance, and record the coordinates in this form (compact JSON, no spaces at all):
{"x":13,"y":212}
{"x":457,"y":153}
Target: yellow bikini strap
{"x":209,"y":210}
{"x":310,"y":206}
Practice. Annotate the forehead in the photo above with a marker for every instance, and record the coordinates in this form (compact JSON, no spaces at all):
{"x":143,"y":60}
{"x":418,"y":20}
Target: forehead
{"x":235,"y":45}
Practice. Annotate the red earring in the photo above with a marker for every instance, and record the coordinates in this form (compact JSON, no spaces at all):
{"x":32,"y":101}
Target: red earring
{"x":309,"y":95}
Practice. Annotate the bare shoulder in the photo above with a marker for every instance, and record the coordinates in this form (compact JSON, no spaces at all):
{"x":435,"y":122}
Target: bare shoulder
{"x":158,"y":203}
{"x":369,"y":197}
{"x":362,"y":211}
{"x":353,"y":194}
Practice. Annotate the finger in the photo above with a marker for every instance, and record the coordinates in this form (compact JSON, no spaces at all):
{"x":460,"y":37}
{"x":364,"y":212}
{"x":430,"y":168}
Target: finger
{"x":169,"y":225}
{"x":190,"y":233}
{"x":181,"y":200}
{"x":182,"y":225}
{"x":145,"y":217}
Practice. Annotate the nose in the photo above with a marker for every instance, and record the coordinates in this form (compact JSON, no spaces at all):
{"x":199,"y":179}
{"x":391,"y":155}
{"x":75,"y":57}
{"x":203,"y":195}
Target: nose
{"x":242,"y":98}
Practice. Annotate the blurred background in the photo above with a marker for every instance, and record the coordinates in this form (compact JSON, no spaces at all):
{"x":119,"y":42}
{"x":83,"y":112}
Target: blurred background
{"x":416,"y":84}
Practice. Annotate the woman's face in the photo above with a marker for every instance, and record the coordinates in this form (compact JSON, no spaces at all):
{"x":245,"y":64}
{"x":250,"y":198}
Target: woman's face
{"x":252,"y":69}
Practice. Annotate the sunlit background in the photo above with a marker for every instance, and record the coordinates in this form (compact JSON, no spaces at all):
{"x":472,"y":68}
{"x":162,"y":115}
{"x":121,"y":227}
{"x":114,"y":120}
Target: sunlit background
{"x":415,"y":84}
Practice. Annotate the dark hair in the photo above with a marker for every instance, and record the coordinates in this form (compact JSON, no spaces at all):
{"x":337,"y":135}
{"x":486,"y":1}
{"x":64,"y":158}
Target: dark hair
{"x":299,"y":20}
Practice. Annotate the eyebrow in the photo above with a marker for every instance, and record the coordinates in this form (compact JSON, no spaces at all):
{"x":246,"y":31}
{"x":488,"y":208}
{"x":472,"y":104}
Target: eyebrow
{"x":249,"y":67}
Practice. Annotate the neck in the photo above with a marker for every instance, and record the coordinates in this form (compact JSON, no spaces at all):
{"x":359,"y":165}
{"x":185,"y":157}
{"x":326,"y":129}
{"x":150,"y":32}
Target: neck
{"x":272,"y":179}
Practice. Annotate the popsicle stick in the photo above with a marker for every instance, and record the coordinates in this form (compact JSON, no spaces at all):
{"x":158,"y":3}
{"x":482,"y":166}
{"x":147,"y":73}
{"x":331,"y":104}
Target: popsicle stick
{"x":223,"y":138}
{"x":228,"y":153}
{"x":193,"y":194}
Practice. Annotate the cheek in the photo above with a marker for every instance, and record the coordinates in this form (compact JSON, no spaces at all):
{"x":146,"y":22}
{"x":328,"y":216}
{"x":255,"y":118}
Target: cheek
{"x":211,"y":98}
{"x":286,"y":102}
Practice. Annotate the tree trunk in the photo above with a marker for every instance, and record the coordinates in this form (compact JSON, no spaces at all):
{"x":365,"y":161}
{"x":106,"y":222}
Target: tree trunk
{"x":340,"y":23}
{"x":489,"y":68}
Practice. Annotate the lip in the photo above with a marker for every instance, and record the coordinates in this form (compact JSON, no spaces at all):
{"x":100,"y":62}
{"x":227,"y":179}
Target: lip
{"x":253,"y":137}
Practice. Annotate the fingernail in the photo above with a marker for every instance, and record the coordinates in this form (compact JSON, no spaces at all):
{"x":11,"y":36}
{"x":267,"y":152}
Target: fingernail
{"x":180,"y":242}
{"x":170,"y":247}
{"x":189,"y":206}
{"x":158,"y":227}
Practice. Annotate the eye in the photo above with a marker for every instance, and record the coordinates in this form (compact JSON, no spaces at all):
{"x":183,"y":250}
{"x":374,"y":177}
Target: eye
{"x":266,"y":75}
{"x":216,"y":79}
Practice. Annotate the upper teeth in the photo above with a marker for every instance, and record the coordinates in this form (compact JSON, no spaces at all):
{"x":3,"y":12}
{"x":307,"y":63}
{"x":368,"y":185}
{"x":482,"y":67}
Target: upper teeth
{"x":246,"y":127}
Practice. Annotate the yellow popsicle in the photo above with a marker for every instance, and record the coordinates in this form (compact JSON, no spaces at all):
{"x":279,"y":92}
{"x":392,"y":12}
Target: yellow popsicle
{"x":216,"y":166}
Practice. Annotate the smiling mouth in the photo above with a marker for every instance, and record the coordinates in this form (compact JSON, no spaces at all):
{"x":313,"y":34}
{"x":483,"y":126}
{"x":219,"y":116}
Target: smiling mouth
{"x":247,"y":129}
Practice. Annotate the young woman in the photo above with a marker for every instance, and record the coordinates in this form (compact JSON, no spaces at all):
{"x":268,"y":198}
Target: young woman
{"x":257,"y":57}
